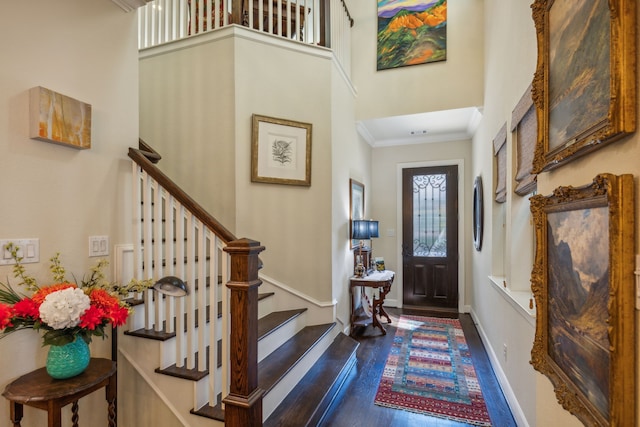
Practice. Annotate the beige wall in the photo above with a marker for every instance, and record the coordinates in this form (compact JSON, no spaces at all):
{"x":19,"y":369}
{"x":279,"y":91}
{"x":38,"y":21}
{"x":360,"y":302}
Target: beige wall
{"x":293,"y":222}
{"x":85,"y":49}
{"x":454,"y":83}
{"x":175,"y":84}
{"x":509,"y":65}
{"x":386,"y":204}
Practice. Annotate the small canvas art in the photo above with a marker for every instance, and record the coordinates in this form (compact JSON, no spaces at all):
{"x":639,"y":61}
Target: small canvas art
{"x":411,"y":32}
{"x":60,"y":119}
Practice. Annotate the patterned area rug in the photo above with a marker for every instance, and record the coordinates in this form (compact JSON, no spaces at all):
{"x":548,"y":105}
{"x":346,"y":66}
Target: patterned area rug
{"x":429,"y":371}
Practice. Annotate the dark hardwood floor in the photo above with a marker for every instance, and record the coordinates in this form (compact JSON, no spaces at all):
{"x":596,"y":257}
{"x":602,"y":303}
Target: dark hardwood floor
{"x":354,"y":406}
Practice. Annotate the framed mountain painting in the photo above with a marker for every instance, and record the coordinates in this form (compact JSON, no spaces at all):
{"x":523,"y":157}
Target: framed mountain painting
{"x":411,"y":32}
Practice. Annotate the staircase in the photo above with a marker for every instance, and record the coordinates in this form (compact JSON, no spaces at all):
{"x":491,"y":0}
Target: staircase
{"x":225,"y":352}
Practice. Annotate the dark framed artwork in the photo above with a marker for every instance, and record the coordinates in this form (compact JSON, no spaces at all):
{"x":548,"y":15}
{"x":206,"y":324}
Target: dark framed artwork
{"x":478,"y":213}
{"x":280,"y":151}
{"x":584,"y":87}
{"x":356,"y":206}
{"x":583,"y":283}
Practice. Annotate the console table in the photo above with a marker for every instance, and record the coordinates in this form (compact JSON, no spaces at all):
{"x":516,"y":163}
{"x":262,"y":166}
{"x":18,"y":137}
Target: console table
{"x":381,"y":280}
{"x":39,"y":390}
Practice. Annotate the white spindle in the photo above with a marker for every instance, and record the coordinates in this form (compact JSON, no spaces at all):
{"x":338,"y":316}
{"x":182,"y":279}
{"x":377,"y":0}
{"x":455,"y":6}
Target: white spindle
{"x":225,"y":268}
{"x":202,"y":298}
{"x":191,"y":297}
{"x":147,"y":249}
{"x":180,"y":272}
{"x":169,"y":256}
{"x":157,"y":253}
{"x":214,"y":296}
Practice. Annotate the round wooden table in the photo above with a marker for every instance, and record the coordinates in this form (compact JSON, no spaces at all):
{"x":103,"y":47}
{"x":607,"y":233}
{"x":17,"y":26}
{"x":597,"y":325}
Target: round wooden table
{"x":39,"y":390}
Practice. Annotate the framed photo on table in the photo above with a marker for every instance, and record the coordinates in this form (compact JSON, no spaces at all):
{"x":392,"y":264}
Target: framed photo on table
{"x":356,"y":206}
{"x":280,"y":151}
{"x":583,"y":283}
{"x":584,"y":87}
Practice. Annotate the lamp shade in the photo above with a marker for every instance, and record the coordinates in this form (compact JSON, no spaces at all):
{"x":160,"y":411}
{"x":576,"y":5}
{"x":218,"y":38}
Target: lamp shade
{"x":360,"y":229}
{"x":171,"y":285}
{"x":373,"y":229}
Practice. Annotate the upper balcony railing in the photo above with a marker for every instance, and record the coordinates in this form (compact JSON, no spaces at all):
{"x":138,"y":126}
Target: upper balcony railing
{"x":316,"y":22}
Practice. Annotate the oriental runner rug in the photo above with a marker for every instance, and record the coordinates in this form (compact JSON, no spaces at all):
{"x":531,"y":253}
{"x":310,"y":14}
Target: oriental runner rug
{"x":429,"y":371}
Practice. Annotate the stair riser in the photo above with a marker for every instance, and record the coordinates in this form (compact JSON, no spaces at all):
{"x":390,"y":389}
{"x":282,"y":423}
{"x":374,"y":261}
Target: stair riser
{"x":273,"y":398}
{"x":276,"y":338}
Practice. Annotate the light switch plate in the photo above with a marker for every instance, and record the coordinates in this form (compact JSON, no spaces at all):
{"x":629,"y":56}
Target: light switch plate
{"x":98,"y":246}
{"x":28,"y":249}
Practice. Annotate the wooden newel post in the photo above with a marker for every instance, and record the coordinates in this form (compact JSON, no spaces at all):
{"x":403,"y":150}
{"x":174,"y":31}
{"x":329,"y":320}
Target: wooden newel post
{"x":243,"y":405}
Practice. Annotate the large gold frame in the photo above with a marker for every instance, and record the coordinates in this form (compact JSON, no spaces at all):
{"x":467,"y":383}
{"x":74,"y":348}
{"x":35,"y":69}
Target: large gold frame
{"x":615,"y":193}
{"x":596,"y":127}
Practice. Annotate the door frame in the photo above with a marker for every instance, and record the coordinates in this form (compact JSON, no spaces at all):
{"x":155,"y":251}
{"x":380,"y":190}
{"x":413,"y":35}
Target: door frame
{"x":462,"y":220}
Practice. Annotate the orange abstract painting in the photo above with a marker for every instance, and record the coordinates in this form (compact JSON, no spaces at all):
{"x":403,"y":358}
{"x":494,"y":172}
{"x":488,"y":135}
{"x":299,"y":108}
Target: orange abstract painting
{"x":59,"y":119}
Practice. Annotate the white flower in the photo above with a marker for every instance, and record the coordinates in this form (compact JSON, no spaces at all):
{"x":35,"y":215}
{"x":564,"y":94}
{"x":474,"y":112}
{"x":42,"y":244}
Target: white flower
{"x":62,"y":309}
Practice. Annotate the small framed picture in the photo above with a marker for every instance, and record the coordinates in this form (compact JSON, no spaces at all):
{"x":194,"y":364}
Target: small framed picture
{"x":281,"y":151}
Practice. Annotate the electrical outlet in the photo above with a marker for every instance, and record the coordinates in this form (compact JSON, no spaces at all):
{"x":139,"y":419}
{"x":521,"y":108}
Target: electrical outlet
{"x":28,"y":249}
{"x":504,"y":351}
{"x":98,"y":246}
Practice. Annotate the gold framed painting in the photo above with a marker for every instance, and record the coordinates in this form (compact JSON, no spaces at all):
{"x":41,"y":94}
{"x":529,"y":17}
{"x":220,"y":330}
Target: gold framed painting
{"x":280,"y":151}
{"x":584,"y":87}
{"x":583,"y":283}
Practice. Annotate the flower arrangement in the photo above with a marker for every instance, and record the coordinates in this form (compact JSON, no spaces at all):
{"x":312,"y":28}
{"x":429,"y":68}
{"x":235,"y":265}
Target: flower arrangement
{"x":65,"y":310}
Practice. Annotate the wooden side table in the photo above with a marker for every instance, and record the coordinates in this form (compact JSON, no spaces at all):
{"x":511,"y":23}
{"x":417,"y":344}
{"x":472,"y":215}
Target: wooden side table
{"x":39,"y":390}
{"x":382,"y":280}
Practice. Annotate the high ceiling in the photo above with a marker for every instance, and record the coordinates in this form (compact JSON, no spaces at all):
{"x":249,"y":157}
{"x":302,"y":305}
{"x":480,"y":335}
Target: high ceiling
{"x":437,"y":126}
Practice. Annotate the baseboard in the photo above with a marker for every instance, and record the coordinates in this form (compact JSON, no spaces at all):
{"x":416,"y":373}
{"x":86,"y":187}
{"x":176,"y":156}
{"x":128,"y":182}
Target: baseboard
{"x":512,"y":401}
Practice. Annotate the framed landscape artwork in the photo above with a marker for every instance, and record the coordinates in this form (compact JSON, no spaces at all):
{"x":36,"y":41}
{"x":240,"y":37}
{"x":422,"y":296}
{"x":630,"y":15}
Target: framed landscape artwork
{"x":280,"y":151}
{"x":583,"y":283}
{"x":584,"y":87}
{"x":411,"y":32}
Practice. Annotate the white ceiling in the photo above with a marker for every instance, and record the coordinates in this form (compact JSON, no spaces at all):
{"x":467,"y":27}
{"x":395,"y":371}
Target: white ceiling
{"x":437,"y":126}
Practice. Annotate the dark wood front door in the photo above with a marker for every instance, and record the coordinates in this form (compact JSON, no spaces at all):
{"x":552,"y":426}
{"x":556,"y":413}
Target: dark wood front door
{"x":430,"y":237}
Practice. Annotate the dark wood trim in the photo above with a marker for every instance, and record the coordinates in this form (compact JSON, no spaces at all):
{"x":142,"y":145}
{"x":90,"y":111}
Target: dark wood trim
{"x":244,"y":402}
{"x":140,"y":157}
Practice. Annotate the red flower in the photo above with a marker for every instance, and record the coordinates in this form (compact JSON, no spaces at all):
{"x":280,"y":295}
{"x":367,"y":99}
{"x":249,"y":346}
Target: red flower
{"x":118,"y":316}
{"x":91,"y":318}
{"x":26,"y":308}
{"x":42,"y":293}
{"x":102,"y":299}
{"x":6,"y":313}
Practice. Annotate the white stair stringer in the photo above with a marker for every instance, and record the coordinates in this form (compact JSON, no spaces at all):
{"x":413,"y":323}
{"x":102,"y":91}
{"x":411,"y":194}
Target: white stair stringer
{"x":178,"y":394}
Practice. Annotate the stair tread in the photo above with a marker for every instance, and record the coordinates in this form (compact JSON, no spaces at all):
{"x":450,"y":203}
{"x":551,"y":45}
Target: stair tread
{"x":309,"y":400}
{"x":185,"y":373}
{"x":277,"y":364}
{"x":273,"y":321}
{"x":163,"y":336}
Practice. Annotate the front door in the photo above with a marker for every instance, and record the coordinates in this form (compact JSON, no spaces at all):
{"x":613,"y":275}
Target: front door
{"x":430,"y":237}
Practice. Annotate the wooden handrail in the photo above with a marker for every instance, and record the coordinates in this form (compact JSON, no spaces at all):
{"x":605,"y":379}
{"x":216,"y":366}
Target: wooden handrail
{"x":346,"y":9}
{"x":140,"y":157}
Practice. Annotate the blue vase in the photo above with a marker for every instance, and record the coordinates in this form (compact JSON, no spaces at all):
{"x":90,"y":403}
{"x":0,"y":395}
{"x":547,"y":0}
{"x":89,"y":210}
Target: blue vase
{"x":69,"y":360}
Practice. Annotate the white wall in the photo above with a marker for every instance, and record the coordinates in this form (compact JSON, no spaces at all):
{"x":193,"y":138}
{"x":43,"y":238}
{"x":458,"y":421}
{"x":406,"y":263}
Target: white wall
{"x":85,"y":49}
{"x":175,"y":84}
{"x":386,"y":205}
{"x":510,"y":61}
{"x":454,"y":83}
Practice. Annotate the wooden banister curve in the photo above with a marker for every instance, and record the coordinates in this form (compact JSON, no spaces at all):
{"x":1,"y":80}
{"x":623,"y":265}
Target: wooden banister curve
{"x":141,"y":158}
